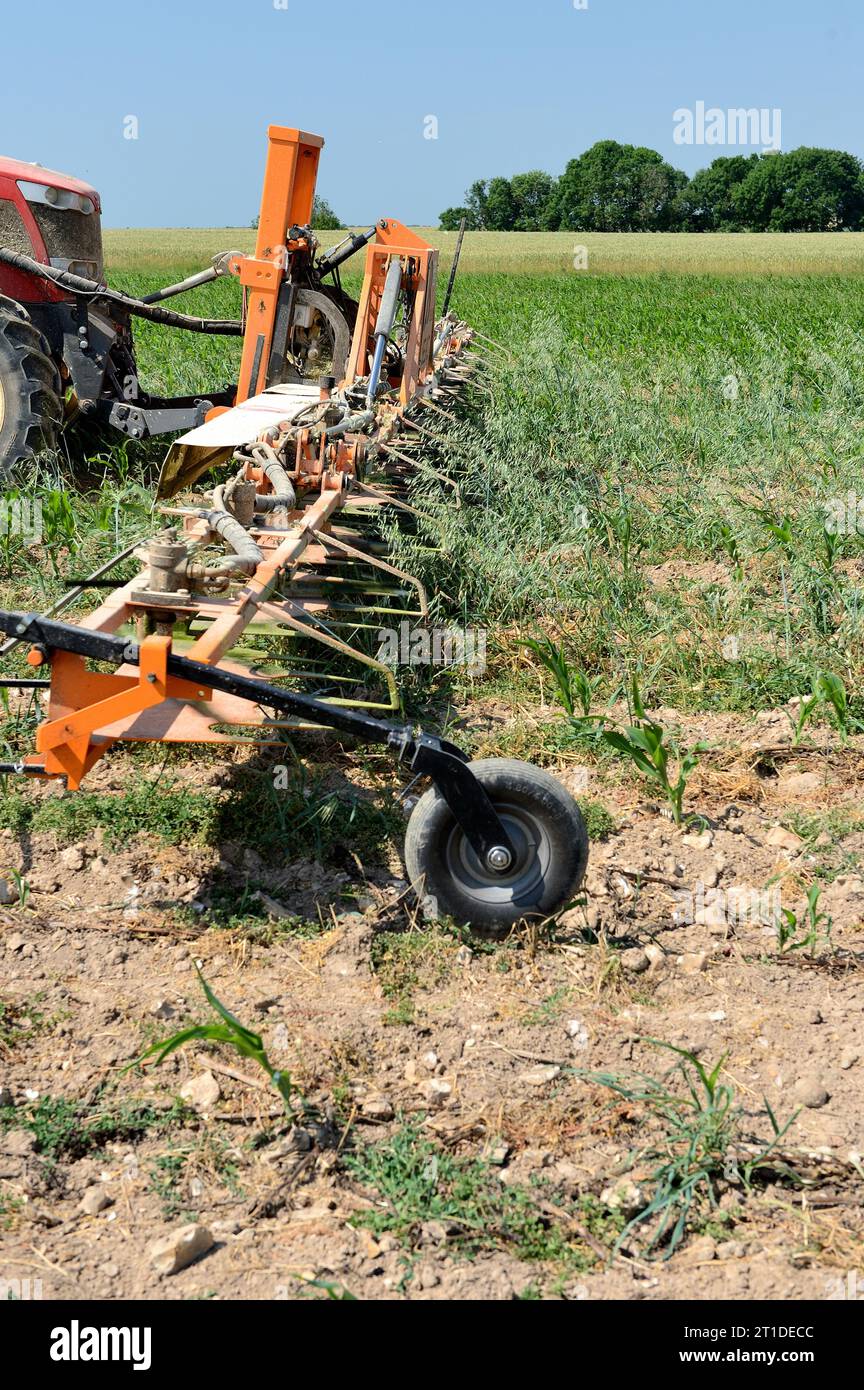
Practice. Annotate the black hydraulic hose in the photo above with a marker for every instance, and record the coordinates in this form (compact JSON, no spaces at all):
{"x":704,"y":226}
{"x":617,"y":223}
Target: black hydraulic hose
{"x":283,"y":496}
{"x":247,"y":555}
{"x":76,"y":284}
{"x":337,"y":255}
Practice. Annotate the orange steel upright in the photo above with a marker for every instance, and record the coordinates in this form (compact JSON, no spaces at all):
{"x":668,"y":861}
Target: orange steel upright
{"x":420,"y":265}
{"x":287,"y":201}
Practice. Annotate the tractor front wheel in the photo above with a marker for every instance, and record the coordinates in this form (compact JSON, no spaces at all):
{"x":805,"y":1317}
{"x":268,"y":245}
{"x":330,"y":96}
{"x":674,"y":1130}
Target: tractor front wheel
{"x":31,"y":400}
{"x":545,"y":827}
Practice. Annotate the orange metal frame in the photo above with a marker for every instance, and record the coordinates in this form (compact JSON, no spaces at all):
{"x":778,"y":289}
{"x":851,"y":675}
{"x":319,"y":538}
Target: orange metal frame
{"x":420,"y":264}
{"x":287,"y":201}
{"x":89,"y":711}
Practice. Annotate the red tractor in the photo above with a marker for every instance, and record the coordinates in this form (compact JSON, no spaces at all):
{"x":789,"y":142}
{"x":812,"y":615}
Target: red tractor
{"x":66,"y":346}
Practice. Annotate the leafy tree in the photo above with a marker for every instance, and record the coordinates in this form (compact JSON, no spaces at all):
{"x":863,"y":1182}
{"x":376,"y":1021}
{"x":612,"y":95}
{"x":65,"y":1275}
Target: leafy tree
{"x":533,"y":194}
{"x":323,"y":216}
{"x":707,"y":202}
{"x":501,"y":208}
{"x":451,"y":219}
{"x":806,"y":190}
{"x":475,"y":202}
{"x":618,"y":188}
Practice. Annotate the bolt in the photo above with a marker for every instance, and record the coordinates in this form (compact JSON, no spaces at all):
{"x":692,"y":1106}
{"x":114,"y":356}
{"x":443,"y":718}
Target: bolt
{"x":499,"y":859}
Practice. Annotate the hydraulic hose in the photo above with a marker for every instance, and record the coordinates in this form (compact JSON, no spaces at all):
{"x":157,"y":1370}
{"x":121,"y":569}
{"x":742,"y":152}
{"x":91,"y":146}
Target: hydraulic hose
{"x":77,"y":284}
{"x":283,"y":496}
{"x":247,"y":555}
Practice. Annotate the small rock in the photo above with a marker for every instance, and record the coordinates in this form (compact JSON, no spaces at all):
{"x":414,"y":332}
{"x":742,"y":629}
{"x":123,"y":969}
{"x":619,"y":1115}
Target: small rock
{"x":810,"y":1091}
{"x":437,"y":1092}
{"x":272,"y":906}
{"x":72,"y":859}
{"x":18,"y":1143}
{"x":813,"y":1015}
{"x":625,"y":1196}
{"x":703,"y":840}
{"x":6,"y":1097}
{"x":15,"y":942}
{"x":163,"y":1008}
{"x":464,"y":956}
{"x":634,"y":961}
{"x":7,"y":896}
{"x":848,"y":1057}
{"x":430,"y":1060}
{"x":540,"y":1076}
{"x":693,"y":962}
{"x":711,"y":911}
{"x":173,"y":1252}
{"x":201,"y":1092}
{"x":731,"y":1250}
{"x":437,"y":1232}
{"x":795,"y":782}
{"x":780,"y":838}
{"x":377,"y":1108}
{"x":117,"y":956}
{"x":577,"y":1033}
{"x":95,"y":1199}
{"x":698,"y":1250}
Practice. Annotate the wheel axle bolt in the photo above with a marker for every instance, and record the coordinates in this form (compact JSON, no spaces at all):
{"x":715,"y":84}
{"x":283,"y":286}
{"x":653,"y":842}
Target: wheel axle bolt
{"x":499,"y":858}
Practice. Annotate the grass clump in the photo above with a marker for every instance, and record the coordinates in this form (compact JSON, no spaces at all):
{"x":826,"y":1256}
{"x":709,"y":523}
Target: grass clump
{"x":66,"y":1129}
{"x":700,"y":1143}
{"x":407,"y":961}
{"x":418,"y":1183}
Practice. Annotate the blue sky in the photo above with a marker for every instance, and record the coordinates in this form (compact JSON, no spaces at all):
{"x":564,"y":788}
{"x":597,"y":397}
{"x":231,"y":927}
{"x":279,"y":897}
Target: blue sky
{"x":514,"y":85}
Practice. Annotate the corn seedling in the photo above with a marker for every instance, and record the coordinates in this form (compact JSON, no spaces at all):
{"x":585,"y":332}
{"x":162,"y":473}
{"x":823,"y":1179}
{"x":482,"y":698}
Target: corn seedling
{"x":795,"y":935}
{"x":230,"y":1032}
{"x":574,"y":687}
{"x":645,"y":742}
{"x":22,"y":887}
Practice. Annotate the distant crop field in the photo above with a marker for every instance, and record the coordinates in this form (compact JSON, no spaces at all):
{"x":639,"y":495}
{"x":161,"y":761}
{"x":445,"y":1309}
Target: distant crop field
{"x":535,"y":253}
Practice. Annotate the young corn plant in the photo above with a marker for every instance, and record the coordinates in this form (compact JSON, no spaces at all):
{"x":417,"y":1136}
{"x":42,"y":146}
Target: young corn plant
{"x":701,"y":1142}
{"x":645,"y":742}
{"x":231,"y":1032}
{"x":795,"y":935}
{"x":574,"y":687}
{"x":825,"y":690}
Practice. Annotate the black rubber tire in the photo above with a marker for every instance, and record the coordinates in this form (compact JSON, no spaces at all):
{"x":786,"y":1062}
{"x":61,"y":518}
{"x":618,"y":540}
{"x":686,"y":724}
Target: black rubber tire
{"x":31,"y":394}
{"x":543,"y":820}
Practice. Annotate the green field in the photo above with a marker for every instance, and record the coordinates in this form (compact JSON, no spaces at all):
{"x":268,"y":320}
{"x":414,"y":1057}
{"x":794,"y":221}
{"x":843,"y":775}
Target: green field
{"x":165,"y":250}
{"x":703,"y":421}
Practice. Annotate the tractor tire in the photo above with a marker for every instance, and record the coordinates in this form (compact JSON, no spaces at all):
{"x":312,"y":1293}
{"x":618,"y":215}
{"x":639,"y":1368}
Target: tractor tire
{"x":546,"y":828}
{"x":31,"y":394}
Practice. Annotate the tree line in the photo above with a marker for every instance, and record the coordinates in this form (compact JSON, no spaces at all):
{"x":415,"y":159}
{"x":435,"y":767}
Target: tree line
{"x":629,"y":188}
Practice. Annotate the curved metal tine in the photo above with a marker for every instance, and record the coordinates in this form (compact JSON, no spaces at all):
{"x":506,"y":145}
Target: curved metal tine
{"x":326,"y":540}
{"x":271,"y":610}
{"x":359,"y":489}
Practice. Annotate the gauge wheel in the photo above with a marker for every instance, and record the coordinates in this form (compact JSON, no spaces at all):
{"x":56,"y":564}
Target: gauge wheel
{"x":548,"y":835}
{"x":31,"y":409}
